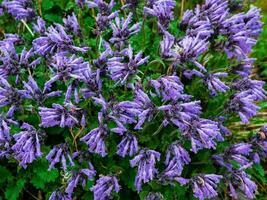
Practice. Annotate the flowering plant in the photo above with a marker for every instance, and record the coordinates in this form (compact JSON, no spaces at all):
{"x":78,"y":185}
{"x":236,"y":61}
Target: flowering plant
{"x":126,"y":100}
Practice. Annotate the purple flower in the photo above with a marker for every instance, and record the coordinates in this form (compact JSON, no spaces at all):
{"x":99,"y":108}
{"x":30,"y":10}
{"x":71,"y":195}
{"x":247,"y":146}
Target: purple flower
{"x":154,"y":196}
{"x":36,"y":93}
{"x":59,"y":153}
{"x":54,"y":41}
{"x":252,"y":87}
{"x":121,"y":31}
{"x":203,"y":133}
{"x":6,"y":120}
{"x":242,"y":31}
{"x":56,"y":195}
{"x":242,"y":103}
{"x":180,"y":114}
{"x":204,"y":185}
{"x":20,"y":9}
{"x":214,"y":84}
{"x":223,"y":129}
{"x":128,"y":145}
{"x":105,"y":14}
{"x":27,"y":147}
{"x":72,"y":25}
{"x":104,"y":187}
{"x":39,"y":27}
{"x":80,"y":178}
{"x":176,"y":157}
{"x":244,"y":67}
{"x":196,"y":25}
{"x":170,"y":88}
{"x":13,"y":63}
{"x":146,"y":161}
{"x":240,"y":180}
{"x":10,"y":96}
{"x":95,"y":139}
{"x":163,"y":11}
{"x":253,"y":20}
{"x":188,"y":50}
{"x":259,"y":144}
{"x":103,"y":21}
{"x":92,"y":82}
{"x":66,"y":115}
{"x":102,"y":6}
{"x":101,"y":61}
{"x":166,"y":45}
{"x":65,"y":68}
{"x":238,"y":153}
{"x":147,"y":108}
{"x":123,"y":71}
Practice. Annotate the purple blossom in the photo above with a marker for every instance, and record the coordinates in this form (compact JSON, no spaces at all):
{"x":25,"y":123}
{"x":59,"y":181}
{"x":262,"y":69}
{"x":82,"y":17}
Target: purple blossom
{"x":66,"y":115}
{"x":146,"y":161}
{"x":241,"y":181}
{"x":188,"y":50}
{"x":163,"y":11}
{"x":214,"y":83}
{"x":128,"y":145}
{"x":242,"y":31}
{"x":223,"y":129}
{"x":36,"y":93}
{"x":103,"y":21}
{"x":121,"y":31}
{"x":253,"y":20}
{"x":10,"y":96}
{"x":55,"y":40}
{"x":166,"y":45}
{"x":154,"y":196}
{"x":196,"y":25}
{"x":92,"y":82}
{"x":105,"y":14}
{"x":252,"y":87}
{"x":72,"y":25}
{"x":238,"y":153}
{"x":146,"y":107}
{"x":80,"y":178}
{"x":176,"y":157}
{"x":65,"y":68}
{"x":20,"y":9}
{"x":169,"y":88}
{"x":101,"y":61}
{"x":5,"y":122}
{"x":259,"y":144}
{"x":242,"y":103}
{"x":95,"y":139}
{"x":104,"y":187}
{"x":204,"y":185}
{"x":13,"y":63}
{"x":27,"y":147}
{"x":59,"y":153}
{"x":39,"y":26}
{"x":59,"y":195}
{"x":203,"y":133}
{"x":123,"y":71}
{"x":244,"y":68}
{"x":180,"y":114}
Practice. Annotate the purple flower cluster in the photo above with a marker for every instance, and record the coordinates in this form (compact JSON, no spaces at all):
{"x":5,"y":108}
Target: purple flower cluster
{"x":110,"y":86}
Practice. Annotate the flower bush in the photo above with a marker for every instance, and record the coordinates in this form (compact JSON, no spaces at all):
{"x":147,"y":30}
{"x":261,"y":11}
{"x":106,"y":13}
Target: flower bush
{"x":125,"y":100}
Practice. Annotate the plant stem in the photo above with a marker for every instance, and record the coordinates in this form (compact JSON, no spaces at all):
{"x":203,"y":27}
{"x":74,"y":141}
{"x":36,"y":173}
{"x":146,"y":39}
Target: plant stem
{"x":27,"y":27}
{"x":182,"y":9}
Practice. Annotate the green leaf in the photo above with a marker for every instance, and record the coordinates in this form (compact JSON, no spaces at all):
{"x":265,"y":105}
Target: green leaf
{"x":14,"y":188}
{"x":47,"y":4}
{"x":5,"y":175}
